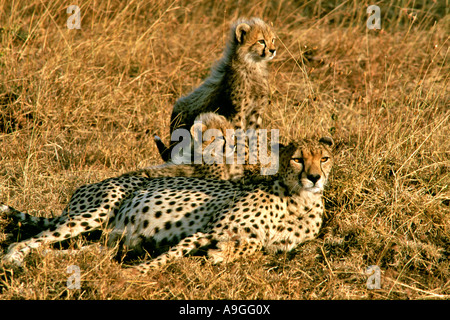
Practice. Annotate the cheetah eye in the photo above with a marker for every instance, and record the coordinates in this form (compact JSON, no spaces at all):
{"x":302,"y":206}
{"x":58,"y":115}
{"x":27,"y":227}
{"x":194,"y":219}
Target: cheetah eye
{"x":298,"y":160}
{"x":262,"y":42}
{"x":273,"y":41}
{"x":324,"y":159}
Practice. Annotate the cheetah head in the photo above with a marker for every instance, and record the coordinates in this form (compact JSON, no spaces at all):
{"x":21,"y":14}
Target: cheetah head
{"x":255,"y":40}
{"x":210,"y":133}
{"x":306,"y":166}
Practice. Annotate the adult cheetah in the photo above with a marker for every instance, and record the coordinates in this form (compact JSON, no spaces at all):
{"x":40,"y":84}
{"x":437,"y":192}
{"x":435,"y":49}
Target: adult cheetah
{"x":238,"y":87}
{"x":177,"y":216}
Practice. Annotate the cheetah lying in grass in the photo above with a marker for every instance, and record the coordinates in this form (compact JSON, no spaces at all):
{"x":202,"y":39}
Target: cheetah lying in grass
{"x":171,"y":217}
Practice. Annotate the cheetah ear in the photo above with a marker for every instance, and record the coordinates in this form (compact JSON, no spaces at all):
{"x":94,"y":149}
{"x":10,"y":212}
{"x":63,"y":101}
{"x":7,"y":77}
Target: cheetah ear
{"x":197,"y":130}
{"x":286,"y":153}
{"x":241,"y":30}
{"x":327,"y":140}
{"x":289,"y":150}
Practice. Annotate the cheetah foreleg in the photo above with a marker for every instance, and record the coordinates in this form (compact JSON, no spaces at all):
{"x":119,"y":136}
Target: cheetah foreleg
{"x":230,"y":250}
{"x":202,"y":244}
{"x":197,"y":244}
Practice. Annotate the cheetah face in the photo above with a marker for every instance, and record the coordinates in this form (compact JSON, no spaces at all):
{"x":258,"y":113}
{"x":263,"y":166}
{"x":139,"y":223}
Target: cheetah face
{"x":309,"y":166}
{"x":256,"y":40}
{"x":210,"y":132}
{"x":264,"y":48}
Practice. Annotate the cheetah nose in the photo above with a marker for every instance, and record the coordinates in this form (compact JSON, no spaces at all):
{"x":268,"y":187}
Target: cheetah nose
{"x":272,"y":51}
{"x":313,"y":177}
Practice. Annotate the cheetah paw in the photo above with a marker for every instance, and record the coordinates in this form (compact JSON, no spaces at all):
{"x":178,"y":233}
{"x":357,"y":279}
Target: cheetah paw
{"x":16,"y":254}
{"x":13,"y":257}
{"x":132,"y":273}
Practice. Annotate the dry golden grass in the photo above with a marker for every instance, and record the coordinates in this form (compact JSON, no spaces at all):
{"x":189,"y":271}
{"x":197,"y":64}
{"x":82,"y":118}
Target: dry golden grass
{"x":79,"y":106}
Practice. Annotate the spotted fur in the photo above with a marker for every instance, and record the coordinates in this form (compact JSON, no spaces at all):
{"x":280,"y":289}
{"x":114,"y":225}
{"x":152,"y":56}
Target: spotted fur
{"x":172,"y":217}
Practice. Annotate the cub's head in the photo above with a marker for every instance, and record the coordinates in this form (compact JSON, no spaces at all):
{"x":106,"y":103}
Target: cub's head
{"x":210,"y":132}
{"x":254,"y":39}
{"x":307,"y":165}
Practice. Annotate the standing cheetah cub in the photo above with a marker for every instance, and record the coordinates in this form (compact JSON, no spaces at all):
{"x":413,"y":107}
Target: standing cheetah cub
{"x":238,"y":87}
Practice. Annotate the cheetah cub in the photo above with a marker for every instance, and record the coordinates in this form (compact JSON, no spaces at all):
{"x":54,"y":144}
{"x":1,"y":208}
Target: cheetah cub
{"x":206,"y":138}
{"x":238,"y":87}
{"x":212,"y":143}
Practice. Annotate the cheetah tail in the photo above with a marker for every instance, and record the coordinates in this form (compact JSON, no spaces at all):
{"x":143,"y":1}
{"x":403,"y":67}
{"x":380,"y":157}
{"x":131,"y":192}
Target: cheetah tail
{"x":10,"y":212}
{"x":163,"y":150}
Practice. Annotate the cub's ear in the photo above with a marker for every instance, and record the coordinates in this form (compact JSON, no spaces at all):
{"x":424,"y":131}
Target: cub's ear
{"x":285,"y":154}
{"x":197,"y":130}
{"x":241,"y":31}
{"x":327,"y":140}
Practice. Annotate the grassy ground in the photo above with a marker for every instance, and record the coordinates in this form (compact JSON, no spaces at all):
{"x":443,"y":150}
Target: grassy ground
{"x":79,"y":106}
